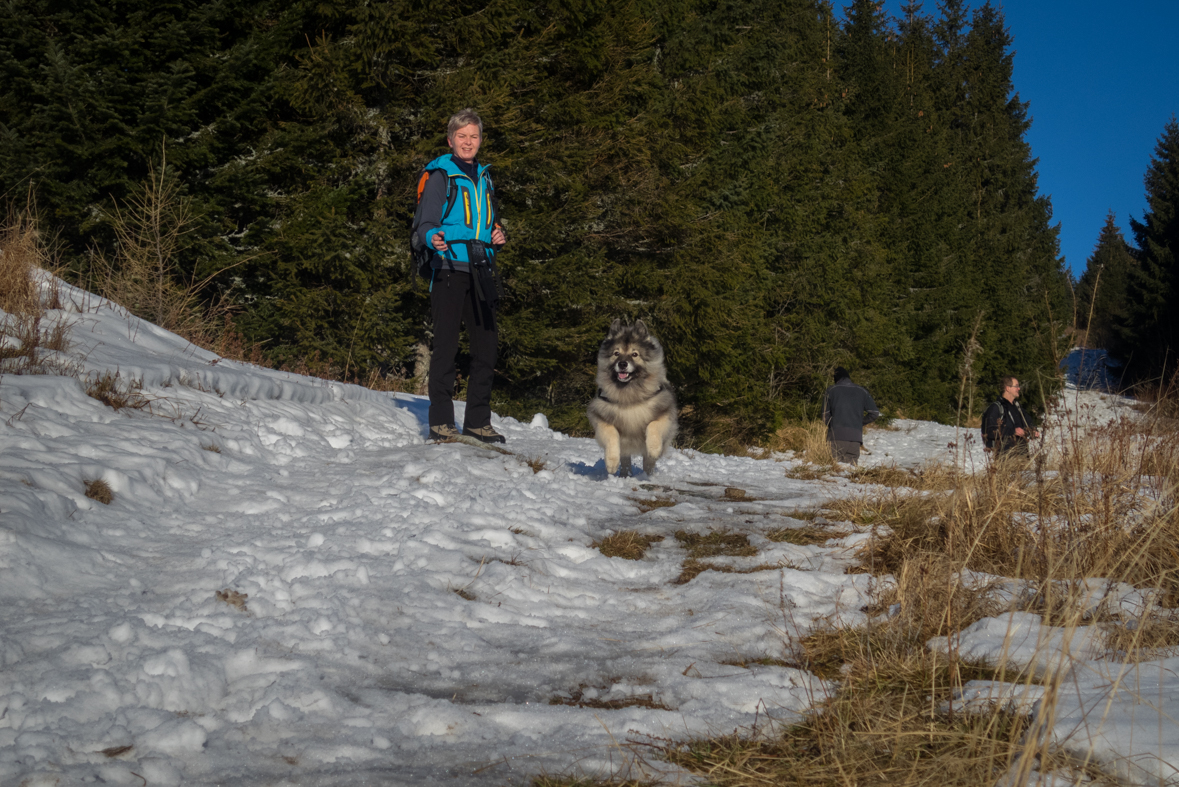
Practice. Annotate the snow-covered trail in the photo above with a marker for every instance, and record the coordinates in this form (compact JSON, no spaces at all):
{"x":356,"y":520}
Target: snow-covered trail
{"x":407,"y":612}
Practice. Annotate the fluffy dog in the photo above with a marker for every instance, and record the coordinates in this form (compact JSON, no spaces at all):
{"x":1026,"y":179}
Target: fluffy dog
{"x":634,"y":411}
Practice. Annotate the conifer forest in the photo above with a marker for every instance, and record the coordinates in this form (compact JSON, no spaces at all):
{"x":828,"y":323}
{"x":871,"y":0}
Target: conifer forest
{"x":777,"y":187}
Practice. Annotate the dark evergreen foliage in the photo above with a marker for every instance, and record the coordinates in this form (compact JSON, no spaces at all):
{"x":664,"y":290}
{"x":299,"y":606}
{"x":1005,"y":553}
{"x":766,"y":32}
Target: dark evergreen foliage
{"x":774,"y":191}
{"x":1150,"y":331}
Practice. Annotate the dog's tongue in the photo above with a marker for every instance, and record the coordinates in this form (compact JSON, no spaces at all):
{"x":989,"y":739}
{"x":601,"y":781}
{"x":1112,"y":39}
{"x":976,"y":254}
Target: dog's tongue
{"x":623,"y":376}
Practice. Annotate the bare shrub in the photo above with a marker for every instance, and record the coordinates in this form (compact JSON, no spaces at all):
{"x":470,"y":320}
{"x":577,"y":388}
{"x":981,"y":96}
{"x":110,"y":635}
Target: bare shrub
{"x":143,"y":276}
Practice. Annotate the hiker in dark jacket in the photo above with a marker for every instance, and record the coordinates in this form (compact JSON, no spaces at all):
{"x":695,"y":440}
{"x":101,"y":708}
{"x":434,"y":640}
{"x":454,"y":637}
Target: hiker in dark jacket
{"x":1006,"y":428}
{"x":847,"y":408}
{"x":463,"y":290}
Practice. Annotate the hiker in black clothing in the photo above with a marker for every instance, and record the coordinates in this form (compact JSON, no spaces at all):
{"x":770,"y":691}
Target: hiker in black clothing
{"x":847,"y":408}
{"x":1006,"y":428}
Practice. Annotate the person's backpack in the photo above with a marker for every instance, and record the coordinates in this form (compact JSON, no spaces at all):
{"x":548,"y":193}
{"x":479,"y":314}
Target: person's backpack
{"x":420,"y":253}
{"x":992,"y":417}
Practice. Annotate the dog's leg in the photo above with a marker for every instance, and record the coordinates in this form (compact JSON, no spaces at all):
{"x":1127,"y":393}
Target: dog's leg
{"x":608,"y":438}
{"x":625,"y":471}
{"x":656,"y":432}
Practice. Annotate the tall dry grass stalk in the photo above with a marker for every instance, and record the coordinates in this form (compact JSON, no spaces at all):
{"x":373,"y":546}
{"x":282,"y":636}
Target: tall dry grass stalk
{"x":808,"y":440}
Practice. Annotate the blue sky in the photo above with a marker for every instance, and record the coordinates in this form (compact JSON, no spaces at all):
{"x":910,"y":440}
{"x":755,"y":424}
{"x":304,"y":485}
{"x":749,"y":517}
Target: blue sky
{"x":1102,"y":79}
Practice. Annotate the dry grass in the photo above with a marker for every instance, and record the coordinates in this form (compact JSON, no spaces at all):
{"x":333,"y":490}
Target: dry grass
{"x":716,"y":543}
{"x":1101,"y":503}
{"x":809,"y":443}
{"x":626,"y":544}
{"x":99,"y":490}
{"x":886,"y":722}
{"x":22,"y":253}
{"x":463,"y":593}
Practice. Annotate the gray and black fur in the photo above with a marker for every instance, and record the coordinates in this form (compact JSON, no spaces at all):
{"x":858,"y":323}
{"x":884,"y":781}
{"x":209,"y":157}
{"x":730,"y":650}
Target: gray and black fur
{"x":634,"y":411}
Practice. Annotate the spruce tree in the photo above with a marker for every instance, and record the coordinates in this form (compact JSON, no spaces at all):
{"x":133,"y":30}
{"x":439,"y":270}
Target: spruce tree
{"x":1102,"y":290}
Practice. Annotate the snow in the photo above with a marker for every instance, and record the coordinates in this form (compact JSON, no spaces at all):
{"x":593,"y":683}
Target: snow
{"x":273,"y":595}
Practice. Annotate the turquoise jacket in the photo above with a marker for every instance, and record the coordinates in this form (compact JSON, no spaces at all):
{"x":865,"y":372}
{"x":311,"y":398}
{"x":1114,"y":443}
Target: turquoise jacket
{"x":471,"y":216}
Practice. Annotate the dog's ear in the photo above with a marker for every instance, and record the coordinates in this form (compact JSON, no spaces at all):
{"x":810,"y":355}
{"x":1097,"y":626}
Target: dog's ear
{"x":615,"y":328}
{"x":641,"y":330}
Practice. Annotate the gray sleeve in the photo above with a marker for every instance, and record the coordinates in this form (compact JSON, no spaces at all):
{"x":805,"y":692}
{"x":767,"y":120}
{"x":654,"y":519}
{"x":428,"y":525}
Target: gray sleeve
{"x":433,"y":203}
{"x":871,"y":413}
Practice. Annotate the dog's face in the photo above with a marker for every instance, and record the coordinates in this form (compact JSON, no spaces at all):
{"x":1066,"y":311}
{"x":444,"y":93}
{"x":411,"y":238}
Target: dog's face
{"x":628,"y":351}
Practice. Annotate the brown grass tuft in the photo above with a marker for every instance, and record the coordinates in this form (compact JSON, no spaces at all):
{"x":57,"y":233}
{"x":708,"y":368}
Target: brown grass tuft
{"x":807,"y":535}
{"x":99,"y":490}
{"x":108,"y":389}
{"x":716,"y":543}
{"x":578,"y":699}
{"x":692,"y":568}
{"x":583,"y":781}
{"x":626,"y":544}
{"x":536,"y":463}
{"x":463,"y":593}
{"x":233,"y":598}
{"x":647,"y":504}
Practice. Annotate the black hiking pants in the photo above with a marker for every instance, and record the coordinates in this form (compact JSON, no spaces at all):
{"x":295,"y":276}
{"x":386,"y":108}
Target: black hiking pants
{"x":453,"y":304}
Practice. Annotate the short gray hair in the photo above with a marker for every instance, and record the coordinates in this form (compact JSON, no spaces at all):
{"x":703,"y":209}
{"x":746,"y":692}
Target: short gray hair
{"x":464,"y":117}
